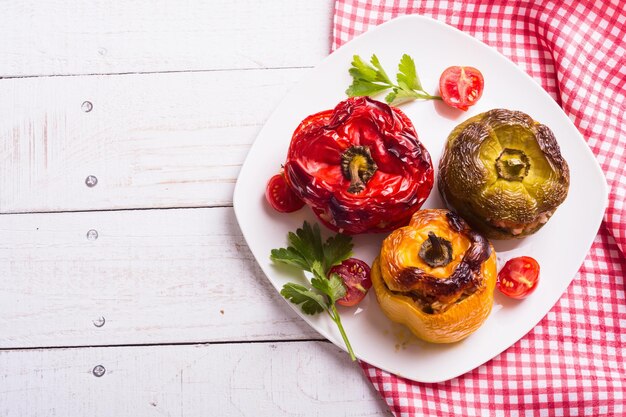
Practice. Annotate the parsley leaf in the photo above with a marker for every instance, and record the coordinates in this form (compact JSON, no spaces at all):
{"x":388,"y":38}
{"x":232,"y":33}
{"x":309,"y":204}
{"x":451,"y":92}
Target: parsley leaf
{"x":337,"y":249}
{"x":289,"y":256}
{"x":381,"y":74}
{"x":363,"y":71}
{"x":310,"y":301}
{"x":307,"y":252}
{"x":407,"y":77}
{"x":361,"y":88}
{"x":305,"y":247}
{"x":332,"y":287}
{"x":369,"y":80}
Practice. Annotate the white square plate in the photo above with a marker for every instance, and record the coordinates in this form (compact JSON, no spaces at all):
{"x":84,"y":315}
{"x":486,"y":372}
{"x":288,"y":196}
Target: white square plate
{"x":560,"y":247}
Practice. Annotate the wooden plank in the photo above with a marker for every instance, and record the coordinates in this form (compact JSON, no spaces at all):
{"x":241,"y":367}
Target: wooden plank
{"x":156,"y":276}
{"x":158,"y":140}
{"x":59,"y":37}
{"x":284,"y":379}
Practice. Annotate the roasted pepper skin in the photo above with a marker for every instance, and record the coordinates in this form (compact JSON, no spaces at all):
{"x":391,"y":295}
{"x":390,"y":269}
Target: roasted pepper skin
{"x":399,"y":184}
{"x":503,"y":172}
{"x":465,"y":285}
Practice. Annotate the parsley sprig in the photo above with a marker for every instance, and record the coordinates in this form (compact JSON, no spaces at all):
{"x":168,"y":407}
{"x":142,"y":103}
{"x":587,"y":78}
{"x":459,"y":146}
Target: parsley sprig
{"x":369,"y":80}
{"x":307,"y":252}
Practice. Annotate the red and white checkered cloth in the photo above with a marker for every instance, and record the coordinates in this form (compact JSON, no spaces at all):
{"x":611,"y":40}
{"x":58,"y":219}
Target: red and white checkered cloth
{"x":572,"y":362}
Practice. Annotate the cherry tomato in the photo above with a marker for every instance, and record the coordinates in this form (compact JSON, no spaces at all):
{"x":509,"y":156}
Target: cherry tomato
{"x":461,"y":87}
{"x":280,"y":196}
{"x":519,"y":277}
{"x":355,"y":275}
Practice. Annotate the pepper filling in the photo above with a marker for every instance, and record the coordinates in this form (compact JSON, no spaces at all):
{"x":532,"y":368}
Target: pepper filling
{"x":512,"y":165}
{"x":357,"y":166}
{"x":436,"y":251}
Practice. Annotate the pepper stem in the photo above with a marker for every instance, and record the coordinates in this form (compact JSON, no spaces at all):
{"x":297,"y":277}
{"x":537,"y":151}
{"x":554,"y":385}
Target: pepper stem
{"x":512,"y":165}
{"x":358,"y":166}
{"x":436,"y":251}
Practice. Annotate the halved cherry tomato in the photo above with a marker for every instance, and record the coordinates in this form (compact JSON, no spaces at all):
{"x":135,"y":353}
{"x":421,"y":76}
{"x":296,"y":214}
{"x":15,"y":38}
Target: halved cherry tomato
{"x":519,"y":277}
{"x":355,"y":275}
{"x":461,"y":87}
{"x":280,"y":196}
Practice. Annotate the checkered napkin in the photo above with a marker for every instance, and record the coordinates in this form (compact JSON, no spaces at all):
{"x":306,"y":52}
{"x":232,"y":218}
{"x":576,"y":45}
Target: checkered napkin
{"x":572,"y":362}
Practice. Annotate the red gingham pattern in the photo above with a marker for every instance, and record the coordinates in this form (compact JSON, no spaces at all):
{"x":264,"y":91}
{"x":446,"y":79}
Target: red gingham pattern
{"x":572,"y":362}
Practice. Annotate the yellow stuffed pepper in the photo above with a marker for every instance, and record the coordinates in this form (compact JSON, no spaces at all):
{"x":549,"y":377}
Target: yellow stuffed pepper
{"x":436,"y":276}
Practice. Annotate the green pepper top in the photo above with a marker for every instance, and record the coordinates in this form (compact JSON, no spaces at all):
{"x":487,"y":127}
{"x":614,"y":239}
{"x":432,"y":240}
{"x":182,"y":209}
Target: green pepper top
{"x":504,"y":173}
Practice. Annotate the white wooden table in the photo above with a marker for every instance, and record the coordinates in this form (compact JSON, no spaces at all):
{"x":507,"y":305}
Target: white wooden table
{"x":126,"y":286}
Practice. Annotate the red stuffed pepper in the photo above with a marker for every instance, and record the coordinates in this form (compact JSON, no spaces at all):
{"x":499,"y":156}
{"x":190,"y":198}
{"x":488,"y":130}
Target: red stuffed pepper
{"x":360,"y":166}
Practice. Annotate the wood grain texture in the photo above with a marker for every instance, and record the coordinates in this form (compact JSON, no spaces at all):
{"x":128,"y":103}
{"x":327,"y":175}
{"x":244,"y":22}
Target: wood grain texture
{"x":156,"y":276}
{"x":158,"y":140}
{"x":200,"y":79}
{"x":285,"y":379}
{"x":57,"y":37}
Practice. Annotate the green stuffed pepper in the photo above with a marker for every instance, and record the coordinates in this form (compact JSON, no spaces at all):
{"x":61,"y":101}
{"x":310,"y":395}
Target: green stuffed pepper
{"x":503,"y":173}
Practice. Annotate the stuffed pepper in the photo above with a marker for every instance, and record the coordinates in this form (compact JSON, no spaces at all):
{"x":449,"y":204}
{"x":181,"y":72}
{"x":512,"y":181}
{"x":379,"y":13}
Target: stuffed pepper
{"x":503,"y":172}
{"x":360,"y":166}
{"x":436,"y":276}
